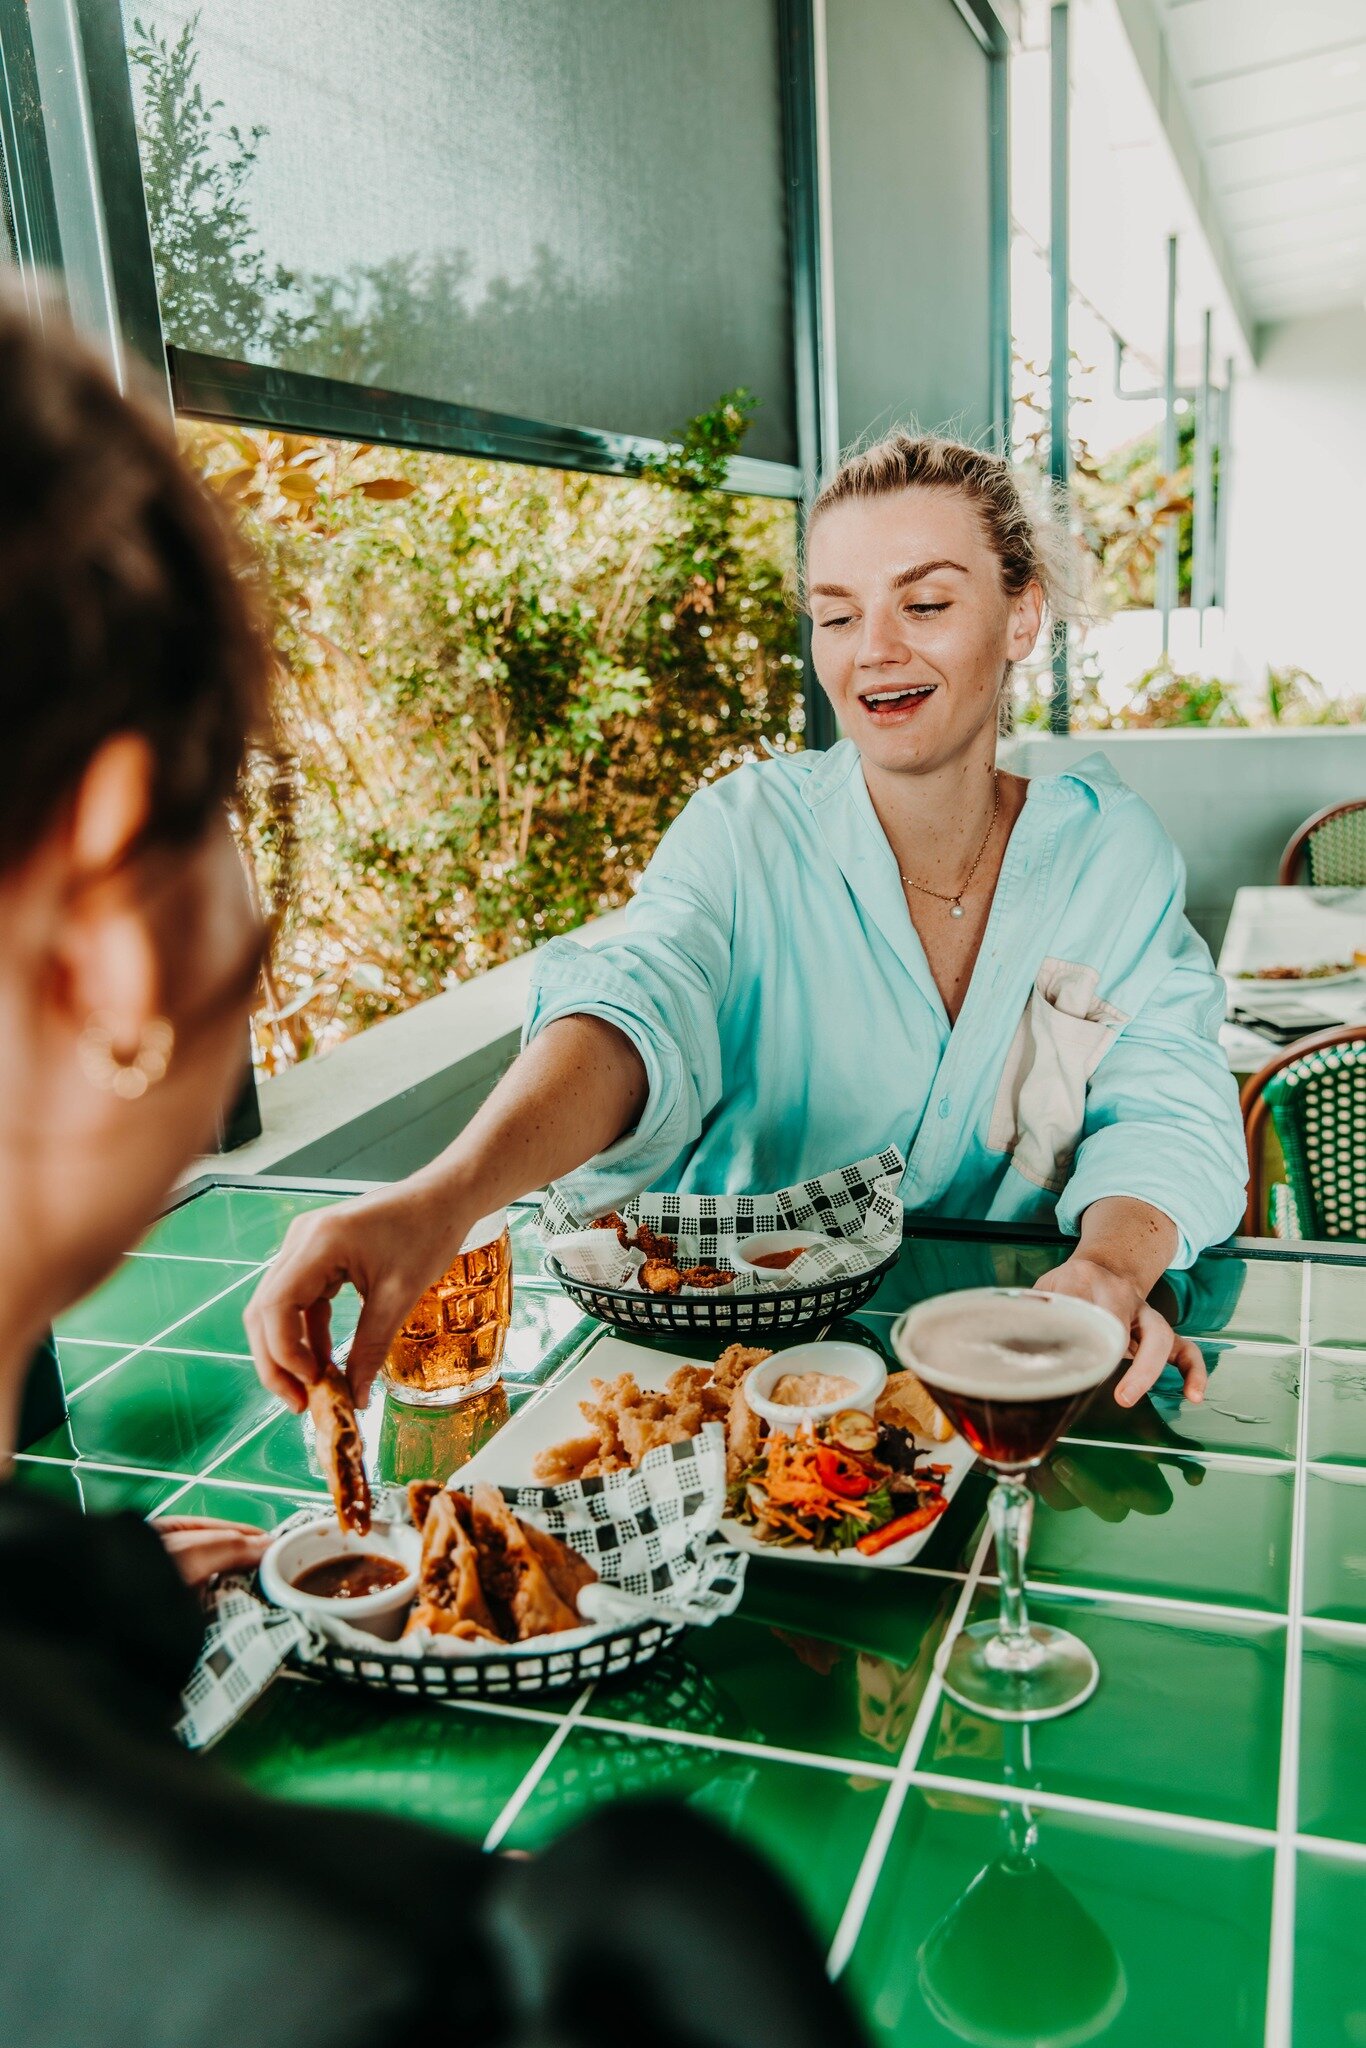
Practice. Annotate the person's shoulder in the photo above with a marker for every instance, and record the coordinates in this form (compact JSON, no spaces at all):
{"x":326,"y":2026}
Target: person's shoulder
{"x":762,"y":790}
{"x":1097,"y":805}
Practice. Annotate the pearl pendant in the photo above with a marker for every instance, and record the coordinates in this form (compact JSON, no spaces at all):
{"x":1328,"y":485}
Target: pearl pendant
{"x":955,"y":910}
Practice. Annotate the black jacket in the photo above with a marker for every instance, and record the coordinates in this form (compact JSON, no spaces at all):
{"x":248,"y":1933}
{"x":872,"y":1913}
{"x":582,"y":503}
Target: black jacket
{"x":148,"y":1900}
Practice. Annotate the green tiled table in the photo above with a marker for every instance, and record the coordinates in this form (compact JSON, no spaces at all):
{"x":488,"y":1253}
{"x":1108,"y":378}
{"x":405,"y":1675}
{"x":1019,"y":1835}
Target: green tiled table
{"x":1182,"y":1860}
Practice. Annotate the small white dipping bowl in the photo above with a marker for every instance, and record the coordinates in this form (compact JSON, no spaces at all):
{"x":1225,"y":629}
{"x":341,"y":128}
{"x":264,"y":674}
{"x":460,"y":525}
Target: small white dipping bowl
{"x":850,"y":1361}
{"x":774,"y":1241}
{"x":298,"y":1550}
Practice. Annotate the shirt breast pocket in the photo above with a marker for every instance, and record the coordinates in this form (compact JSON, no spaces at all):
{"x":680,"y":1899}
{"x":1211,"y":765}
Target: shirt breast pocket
{"x":1040,"y":1107}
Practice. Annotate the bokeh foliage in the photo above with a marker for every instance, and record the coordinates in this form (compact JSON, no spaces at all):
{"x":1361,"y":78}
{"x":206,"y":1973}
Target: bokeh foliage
{"x":497,"y":685}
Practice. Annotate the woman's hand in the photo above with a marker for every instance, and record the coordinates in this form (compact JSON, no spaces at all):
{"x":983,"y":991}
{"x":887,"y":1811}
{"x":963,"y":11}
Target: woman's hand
{"x":391,"y":1246}
{"x":200,"y":1548}
{"x":576,"y":1088}
{"x":1152,"y":1341}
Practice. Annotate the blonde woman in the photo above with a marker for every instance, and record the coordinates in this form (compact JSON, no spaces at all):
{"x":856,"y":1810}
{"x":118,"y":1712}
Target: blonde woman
{"x":893,"y":942}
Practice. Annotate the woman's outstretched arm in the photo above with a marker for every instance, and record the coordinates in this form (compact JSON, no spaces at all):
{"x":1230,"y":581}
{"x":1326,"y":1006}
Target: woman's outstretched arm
{"x":577,"y":1087}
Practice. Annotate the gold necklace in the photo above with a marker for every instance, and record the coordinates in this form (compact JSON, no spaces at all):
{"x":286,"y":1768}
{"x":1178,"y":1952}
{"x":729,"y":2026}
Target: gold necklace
{"x":954,"y":897}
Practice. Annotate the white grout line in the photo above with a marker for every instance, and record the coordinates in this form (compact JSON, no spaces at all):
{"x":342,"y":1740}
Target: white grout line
{"x":1171,"y":1604}
{"x":194,"y":1258}
{"x":691,"y":1738}
{"x":1281,"y":1969}
{"x":1331,"y":1625}
{"x":81,"y":1391}
{"x":236,"y":1445}
{"x":184,"y":1351}
{"x":1247,"y":1461}
{"x":1345,"y":1852}
{"x":495,"y":1709}
{"x":875,"y":1855}
{"x":1351,"y":1475}
{"x":990,"y":1792}
{"x":538,"y":1770}
{"x":301,"y":1493}
{"x":94,"y":1465}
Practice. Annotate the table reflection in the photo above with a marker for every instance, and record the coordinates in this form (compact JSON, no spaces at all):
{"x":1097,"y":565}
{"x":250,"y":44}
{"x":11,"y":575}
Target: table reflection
{"x":431,"y":1443}
{"x":1017,"y":1961}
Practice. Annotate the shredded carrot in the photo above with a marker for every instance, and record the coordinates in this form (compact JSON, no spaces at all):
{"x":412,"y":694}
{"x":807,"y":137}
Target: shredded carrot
{"x":795,"y":1495}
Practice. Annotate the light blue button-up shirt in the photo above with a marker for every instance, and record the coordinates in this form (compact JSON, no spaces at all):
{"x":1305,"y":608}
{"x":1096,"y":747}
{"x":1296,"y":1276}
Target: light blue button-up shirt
{"x":780,"y":998}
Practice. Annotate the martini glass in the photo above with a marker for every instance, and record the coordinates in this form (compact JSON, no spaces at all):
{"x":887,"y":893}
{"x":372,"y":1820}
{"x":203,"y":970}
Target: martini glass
{"x":1010,"y":1366}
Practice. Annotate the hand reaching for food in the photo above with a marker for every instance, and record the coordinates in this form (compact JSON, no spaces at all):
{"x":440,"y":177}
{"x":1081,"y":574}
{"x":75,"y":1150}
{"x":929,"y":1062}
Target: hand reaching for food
{"x":201,"y":1547}
{"x":390,"y":1246}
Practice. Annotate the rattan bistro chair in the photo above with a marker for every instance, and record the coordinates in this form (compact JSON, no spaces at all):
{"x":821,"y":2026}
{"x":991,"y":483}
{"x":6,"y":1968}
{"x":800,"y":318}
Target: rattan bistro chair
{"x":1331,"y":846}
{"x":1315,"y":1094}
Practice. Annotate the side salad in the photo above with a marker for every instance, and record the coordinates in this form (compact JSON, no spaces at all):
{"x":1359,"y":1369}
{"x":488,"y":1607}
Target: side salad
{"x":849,"y":1483}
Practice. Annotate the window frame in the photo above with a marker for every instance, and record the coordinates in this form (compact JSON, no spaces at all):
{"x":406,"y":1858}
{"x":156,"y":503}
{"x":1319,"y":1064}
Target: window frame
{"x":85,"y":168}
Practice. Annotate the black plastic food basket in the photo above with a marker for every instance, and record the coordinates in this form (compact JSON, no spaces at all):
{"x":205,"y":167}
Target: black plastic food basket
{"x":519,"y":1674}
{"x":775,"y":1312}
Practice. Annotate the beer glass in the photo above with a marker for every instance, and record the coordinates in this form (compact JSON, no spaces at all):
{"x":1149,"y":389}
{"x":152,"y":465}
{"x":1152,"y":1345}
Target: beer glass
{"x":1010,"y":1367}
{"x":450,"y":1347}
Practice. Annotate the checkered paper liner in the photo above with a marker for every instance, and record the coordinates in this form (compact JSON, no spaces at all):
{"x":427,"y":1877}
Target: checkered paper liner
{"x":651,"y":1534}
{"x":246,"y":1644}
{"x":856,"y":1206}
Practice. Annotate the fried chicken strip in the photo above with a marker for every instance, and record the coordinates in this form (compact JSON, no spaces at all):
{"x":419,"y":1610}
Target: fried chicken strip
{"x":340,"y":1450}
{"x":451,"y":1598}
{"x":626,"y":1421}
{"x":905,"y":1403}
{"x":512,"y":1572}
{"x":567,"y":1572}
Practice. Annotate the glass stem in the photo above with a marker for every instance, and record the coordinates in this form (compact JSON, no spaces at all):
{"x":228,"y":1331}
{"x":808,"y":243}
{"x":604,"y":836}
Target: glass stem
{"x":1012,"y":1511}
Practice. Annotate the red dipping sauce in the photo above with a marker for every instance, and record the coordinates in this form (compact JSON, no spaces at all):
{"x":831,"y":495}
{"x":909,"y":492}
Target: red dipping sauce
{"x":779,"y":1261}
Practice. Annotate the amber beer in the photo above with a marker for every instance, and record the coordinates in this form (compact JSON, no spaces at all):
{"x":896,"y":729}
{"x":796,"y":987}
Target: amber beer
{"x":1010,"y":1369}
{"x":451,"y":1346}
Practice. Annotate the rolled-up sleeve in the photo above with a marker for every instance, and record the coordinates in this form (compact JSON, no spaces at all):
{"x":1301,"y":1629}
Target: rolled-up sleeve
{"x":1162,"y":1119}
{"x":660,"y":984}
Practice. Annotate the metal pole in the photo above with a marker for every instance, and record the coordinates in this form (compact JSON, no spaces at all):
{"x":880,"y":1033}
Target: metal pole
{"x":1202,"y":565}
{"x":998,"y":115}
{"x":1220,"y":593}
{"x":1167,"y":560}
{"x":1059,"y":444}
{"x":806,"y":141}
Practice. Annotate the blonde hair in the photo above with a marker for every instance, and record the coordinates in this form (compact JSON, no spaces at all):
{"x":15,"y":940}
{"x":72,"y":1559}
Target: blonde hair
{"x":1021,"y":521}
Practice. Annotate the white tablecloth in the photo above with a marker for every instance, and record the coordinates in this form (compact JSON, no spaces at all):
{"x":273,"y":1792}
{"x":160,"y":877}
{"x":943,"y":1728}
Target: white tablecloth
{"x":1291,"y":928}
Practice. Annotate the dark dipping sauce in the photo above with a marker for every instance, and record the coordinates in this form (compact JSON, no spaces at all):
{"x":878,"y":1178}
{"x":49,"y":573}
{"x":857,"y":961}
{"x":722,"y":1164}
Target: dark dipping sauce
{"x":779,"y":1261}
{"x":350,"y":1577}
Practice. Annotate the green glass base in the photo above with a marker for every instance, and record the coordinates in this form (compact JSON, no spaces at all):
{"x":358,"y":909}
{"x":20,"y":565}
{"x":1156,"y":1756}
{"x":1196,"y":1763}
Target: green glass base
{"x":1050,"y":1674}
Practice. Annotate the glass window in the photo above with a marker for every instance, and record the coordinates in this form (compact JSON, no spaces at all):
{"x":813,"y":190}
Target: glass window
{"x":911,"y":200}
{"x":564,"y":210}
{"x":497,"y":686}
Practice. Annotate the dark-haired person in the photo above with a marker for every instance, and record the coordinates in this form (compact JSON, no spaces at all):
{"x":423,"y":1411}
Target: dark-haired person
{"x":894,"y":942}
{"x":146,"y":1899}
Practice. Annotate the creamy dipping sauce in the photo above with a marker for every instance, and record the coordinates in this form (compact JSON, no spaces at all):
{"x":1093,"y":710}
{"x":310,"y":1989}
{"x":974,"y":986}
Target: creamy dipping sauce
{"x":350,"y":1577}
{"x":810,"y":1389}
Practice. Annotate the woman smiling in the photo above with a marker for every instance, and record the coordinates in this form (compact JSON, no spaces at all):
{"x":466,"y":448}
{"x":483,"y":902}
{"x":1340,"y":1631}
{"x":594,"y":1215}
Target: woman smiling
{"x":890,"y":943}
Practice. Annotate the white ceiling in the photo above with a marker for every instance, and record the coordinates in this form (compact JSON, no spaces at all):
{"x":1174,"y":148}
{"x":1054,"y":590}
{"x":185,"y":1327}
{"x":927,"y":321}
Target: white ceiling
{"x":1276,"y":93}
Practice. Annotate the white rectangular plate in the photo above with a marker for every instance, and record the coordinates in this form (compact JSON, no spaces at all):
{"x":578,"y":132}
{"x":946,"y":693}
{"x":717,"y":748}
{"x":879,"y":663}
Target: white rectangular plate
{"x":507,"y":1459}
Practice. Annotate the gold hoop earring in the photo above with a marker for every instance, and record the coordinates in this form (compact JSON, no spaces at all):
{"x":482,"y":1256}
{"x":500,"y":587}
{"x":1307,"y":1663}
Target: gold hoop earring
{"x":127,"y":1078}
